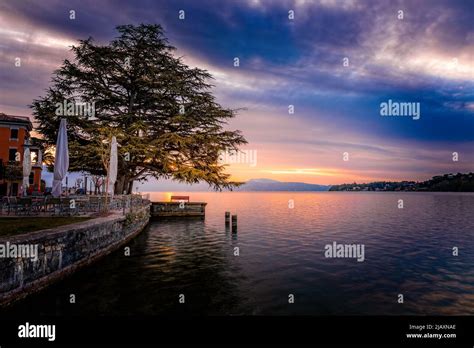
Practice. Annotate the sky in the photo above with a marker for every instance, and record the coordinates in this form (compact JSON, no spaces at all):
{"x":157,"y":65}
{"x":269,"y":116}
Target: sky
{"x":332,"y":62}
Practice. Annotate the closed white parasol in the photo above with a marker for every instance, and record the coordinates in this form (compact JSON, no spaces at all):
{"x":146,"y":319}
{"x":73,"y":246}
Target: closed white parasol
{"x":26,"y":170}
{"x":61,"y":159}
{"x":113,"y":165}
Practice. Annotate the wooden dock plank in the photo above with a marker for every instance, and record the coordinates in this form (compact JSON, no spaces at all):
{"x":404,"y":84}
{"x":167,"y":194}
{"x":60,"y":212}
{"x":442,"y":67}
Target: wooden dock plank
{"x":181,"y":209}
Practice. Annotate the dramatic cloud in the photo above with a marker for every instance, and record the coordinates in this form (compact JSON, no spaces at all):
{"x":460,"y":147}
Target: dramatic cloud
{"x":335,"y":62}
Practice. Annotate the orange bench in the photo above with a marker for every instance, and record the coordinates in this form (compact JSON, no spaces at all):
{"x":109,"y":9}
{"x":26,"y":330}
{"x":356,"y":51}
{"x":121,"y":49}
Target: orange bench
{"x":179,"y":198}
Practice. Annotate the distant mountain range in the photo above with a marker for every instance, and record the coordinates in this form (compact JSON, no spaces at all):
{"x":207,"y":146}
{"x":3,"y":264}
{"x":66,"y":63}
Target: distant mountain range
{"x":274,"y":185}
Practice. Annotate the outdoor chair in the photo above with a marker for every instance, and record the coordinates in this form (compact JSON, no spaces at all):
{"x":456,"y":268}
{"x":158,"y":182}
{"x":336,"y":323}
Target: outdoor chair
{"x":12,"y":205}
{"x":48,"y":205}
{"x":5,"y":205}
{"x":39,"y":204}
{"x":23,"y":204}
{"x":53,"y":205}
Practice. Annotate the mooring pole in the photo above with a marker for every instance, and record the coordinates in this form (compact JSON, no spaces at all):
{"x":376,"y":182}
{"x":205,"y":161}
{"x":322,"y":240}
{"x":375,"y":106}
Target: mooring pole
{"x":227,"y":217}
{"x":234,"y":223}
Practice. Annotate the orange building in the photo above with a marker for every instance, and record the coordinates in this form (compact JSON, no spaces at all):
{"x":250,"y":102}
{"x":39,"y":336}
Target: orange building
{"x":14,"y":139}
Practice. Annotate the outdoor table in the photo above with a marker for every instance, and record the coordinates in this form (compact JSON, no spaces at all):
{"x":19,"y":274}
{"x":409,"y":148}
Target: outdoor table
{"x":37,"y":204}
{"x":24,"y":205}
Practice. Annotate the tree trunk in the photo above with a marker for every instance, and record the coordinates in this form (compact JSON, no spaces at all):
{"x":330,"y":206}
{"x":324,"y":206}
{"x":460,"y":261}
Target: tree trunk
{"x":124,"y":184}
{"x":130,"y":186}
{"x":120,"y":185}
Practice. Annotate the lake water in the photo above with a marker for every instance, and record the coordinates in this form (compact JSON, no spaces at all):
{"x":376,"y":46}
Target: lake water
{"x":408,"y":251}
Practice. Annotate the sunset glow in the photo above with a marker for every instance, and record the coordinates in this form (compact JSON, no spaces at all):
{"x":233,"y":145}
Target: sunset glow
{"x":334,"y":80}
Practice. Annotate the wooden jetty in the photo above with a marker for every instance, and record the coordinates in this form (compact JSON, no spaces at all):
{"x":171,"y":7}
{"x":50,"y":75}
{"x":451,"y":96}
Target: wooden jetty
{"x":179,"y":206}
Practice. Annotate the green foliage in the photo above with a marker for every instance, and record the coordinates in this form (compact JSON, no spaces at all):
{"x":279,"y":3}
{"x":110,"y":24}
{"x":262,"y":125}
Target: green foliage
{"x":162,"y":112}
{"x":450,"y":182}
{"x":447,"y":183}
{"x":13,"y":172}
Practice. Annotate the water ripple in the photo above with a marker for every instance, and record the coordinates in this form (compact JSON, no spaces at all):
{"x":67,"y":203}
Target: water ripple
{"x":407,"y":251}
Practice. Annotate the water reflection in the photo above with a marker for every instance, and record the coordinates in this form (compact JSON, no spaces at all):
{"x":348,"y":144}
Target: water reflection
{"x":407,"y":251}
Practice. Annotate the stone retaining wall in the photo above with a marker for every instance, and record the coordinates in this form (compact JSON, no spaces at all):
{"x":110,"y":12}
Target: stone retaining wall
{"x":63,"y":250}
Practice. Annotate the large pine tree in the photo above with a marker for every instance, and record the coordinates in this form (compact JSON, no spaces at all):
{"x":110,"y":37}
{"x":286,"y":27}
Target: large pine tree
{"x":167,"y":122}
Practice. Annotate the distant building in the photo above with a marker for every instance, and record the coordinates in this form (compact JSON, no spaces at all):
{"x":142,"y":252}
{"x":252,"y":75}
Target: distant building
{"x":14,"y":139}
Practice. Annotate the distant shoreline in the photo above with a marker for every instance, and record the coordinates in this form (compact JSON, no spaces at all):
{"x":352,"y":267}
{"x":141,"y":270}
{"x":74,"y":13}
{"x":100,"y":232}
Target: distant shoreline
{"x":228,"y":191}
{"x":440,"y":183}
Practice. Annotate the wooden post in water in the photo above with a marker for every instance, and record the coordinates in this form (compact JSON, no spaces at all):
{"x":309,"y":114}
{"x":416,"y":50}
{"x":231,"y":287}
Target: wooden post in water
{"x":227,"y":217}
{"x":234,"y":223}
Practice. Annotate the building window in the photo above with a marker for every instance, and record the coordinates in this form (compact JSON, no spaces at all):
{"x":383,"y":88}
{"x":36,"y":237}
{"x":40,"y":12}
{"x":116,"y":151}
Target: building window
{"x":12,"y":155}
{"x":14,"y":133}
